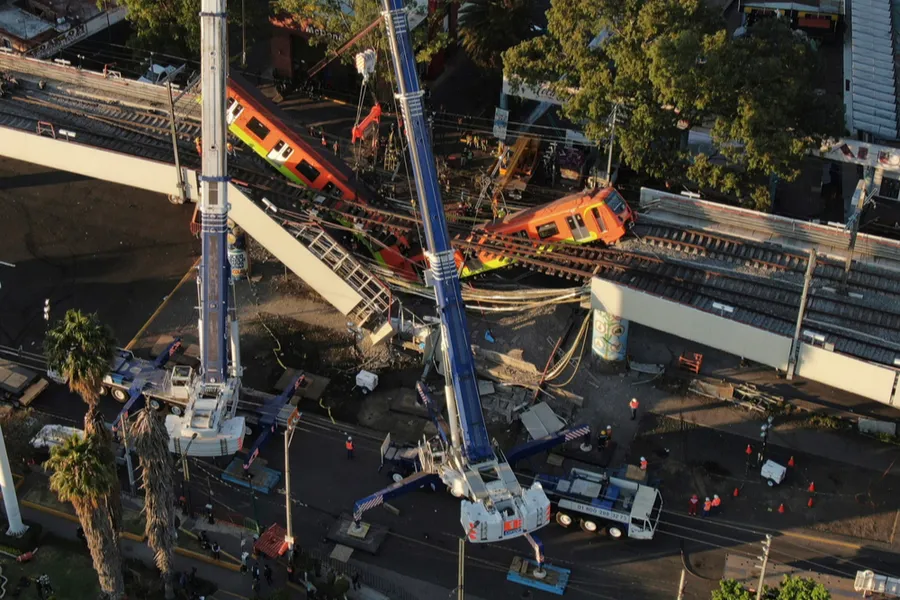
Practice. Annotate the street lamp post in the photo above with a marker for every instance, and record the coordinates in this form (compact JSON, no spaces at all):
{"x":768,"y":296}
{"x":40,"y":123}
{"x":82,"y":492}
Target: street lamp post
{"x":764,"y":434}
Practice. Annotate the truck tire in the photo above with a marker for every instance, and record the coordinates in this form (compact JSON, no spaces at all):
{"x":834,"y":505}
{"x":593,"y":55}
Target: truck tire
{"x":103,"y":390}
{"x":396,"y":476}
{"x":176,"y":410}
{"x":615,"y":532}
{"x":563,"y":519}
{"x":119,"y":394}
{"x":155,"y":404}
{"x":589,"y":526}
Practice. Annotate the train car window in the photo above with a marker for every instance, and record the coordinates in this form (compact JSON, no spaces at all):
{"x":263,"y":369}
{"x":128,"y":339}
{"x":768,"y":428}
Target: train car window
{"x":600,"y":222}
{"x":234,"y":110}
{"x":308,"y":171}
{"x":522,"y":234}
{"x":257,"y":128}
{"x":616,"y":203}
{"x":547,"y":230}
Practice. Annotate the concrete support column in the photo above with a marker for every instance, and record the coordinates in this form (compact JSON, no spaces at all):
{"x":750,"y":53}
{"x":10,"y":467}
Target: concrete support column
{"x":609,"y":341}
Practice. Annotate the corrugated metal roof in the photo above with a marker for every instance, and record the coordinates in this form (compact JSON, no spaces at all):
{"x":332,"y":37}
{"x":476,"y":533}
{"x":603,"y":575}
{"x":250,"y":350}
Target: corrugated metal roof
{"x":873,"y":76}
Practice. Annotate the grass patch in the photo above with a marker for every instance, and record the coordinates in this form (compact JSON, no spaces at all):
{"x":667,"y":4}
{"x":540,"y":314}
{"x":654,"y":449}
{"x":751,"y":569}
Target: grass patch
{"x":826,"y":422}
{"x":40,"y":493}
{"x":68,"y":565}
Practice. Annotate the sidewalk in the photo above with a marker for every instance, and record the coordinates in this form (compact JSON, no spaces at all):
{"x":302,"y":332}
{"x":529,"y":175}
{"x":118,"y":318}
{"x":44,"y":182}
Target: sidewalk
{"x":224,"y":574}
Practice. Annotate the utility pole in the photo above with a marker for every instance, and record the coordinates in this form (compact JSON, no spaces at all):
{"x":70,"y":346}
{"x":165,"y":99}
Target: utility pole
{"x":461,"y":575}
{"x":243,"y":35}
{"x":862,"y":197}
{"x":181,"y":191}
{"x":128,"y":454}
{"x":798,"y":328}
{"x":288,"y":437}
{"x":765,"y":563}
{"x":681,"y":586}
{"x":612,"y":143}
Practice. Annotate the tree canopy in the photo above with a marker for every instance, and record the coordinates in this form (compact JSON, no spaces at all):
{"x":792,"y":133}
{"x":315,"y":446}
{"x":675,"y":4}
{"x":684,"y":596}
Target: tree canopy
{"x":670,"y":65}
{"x":488,"y":27}
{"x":79,"y":348}
{"x":174,"y":25}
{"x":791,"y":588}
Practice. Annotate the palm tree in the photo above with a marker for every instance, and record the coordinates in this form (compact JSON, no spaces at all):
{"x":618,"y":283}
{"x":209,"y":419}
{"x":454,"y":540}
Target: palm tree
{"x":151,"y":441}
{"x":82,"y":476}
{"x":80,"y":348}
{"x":488,"y":27}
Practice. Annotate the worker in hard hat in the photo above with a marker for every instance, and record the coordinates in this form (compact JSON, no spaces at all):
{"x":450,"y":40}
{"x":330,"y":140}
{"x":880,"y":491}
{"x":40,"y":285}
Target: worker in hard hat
{"x":644,"y":465}
{"x":349,"y":445}
{"x":716,"y":503}
{"x":707,"y":507}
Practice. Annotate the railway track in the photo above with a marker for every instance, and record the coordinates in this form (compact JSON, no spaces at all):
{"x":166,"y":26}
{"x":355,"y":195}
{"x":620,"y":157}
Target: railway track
{"x":761,"y":282}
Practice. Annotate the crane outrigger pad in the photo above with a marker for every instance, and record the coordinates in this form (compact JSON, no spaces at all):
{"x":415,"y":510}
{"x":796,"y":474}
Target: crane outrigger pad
{"x":522,"y":571}
{"x":368,"y":540}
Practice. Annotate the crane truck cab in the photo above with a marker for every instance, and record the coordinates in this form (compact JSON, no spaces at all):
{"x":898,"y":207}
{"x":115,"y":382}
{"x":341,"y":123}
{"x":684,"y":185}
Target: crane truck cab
{"x":625,"y":507}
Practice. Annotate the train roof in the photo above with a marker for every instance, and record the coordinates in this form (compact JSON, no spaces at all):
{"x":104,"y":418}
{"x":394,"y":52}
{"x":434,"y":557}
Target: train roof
{"x":565,"y":205}
{"x":280,"y":119}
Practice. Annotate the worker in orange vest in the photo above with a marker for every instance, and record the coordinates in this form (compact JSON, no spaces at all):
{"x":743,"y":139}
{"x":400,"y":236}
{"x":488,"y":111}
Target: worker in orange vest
{"x":349,"y":445}
{"x":692,"y":505}
{"x":707,"y":506}
{"x":716,"y":503}
{"x":198,"y":144}
{"x":633,"y":405}
{"x":644,"y":465}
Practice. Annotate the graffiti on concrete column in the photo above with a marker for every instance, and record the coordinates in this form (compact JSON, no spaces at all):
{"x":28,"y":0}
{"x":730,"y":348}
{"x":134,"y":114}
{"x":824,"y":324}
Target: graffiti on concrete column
{"x":610,"y":336}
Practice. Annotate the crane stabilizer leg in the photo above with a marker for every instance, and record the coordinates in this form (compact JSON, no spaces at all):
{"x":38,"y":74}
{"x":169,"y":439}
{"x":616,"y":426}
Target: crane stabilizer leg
{"x":537,"y":446}
{"x":407,"y":484}
{"x":538,"y":548}
{"x":268,"y":418}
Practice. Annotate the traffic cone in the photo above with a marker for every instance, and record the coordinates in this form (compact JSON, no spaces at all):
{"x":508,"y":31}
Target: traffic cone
{"x":812,"y":487}
{"x":810,"y":503}
{"x":791,"y":462}
{"x":781,"y":508}
{"x":737,"y":492}
{"x":749,"y":450}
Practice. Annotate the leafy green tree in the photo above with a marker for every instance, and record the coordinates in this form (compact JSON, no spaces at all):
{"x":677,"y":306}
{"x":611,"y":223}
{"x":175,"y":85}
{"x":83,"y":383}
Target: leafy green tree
{"x":151,"y":442}
{"x":82,"y":475}
{"x":489,"y":27}
{"x":670,"y":65}
{"x":348,"y":18}
{"x":173,"y":26}
{"x":791,"y":588}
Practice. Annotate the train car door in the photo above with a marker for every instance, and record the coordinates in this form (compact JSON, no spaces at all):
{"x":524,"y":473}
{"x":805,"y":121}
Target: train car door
{"x":234,"y":111}
{"x":280,"y":153}
{"x":580,"y":232}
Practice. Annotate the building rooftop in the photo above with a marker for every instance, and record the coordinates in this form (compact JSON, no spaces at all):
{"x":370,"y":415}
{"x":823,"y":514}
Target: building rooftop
{"x":871,"y":71}
{"x":22,"y":24}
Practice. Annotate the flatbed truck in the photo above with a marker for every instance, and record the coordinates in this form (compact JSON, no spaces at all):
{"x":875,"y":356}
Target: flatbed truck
{"x":597,"y":499}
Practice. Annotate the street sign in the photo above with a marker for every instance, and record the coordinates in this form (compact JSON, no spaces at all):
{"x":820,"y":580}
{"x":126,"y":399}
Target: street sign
{"x":501,"y":120}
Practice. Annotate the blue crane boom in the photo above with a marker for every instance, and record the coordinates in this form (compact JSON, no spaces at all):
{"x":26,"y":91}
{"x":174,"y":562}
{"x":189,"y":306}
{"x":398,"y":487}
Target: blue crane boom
{"x":459,"y":363}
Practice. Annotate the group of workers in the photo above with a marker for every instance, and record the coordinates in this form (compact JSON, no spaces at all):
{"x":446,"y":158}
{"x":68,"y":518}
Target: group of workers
{"x":710,"y":507}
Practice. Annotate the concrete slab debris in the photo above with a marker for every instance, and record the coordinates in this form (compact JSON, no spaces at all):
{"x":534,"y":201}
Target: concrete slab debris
{"x":541,"y":421}
{"x":341,"y":553}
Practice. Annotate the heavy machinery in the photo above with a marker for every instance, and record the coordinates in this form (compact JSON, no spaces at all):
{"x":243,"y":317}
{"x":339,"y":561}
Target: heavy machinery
{"x":494,"y":505}
{"x":209,"y":425}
